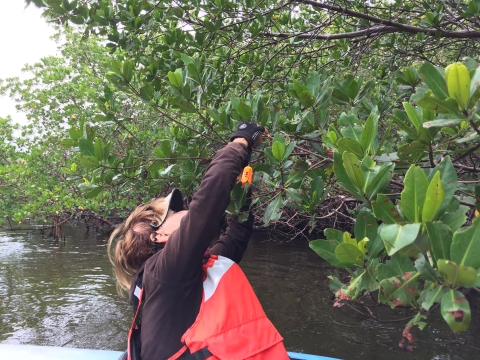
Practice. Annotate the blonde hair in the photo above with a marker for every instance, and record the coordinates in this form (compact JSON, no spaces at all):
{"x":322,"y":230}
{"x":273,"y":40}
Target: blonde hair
{"x":130,"y":246}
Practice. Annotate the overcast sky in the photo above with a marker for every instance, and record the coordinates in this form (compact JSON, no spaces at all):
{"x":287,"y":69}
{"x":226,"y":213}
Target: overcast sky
{"x":25,"y":38}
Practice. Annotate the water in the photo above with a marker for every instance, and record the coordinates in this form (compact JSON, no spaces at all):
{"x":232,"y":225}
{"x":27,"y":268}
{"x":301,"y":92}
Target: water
{"x":63,"y":294}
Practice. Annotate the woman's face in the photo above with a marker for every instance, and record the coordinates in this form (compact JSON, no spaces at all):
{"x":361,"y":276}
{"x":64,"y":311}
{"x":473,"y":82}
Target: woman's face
{"x":169,"y":226}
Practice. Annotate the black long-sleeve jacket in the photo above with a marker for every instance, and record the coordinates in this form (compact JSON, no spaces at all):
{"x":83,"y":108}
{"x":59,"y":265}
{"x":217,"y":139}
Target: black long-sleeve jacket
{"x":172,"y":278}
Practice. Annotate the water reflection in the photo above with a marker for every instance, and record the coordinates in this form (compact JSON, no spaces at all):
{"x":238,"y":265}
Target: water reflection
{"x":59,"y":293}
{"x":63,"y":294}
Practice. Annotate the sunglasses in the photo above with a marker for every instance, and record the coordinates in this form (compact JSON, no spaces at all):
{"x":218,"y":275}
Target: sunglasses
{"x":154,"y":226}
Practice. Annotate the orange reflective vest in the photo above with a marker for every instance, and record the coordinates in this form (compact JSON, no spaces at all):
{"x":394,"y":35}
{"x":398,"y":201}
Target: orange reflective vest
{"x":231,"y":323}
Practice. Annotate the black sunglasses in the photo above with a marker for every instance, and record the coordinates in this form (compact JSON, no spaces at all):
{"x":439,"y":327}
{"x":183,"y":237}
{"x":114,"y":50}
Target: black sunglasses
{"x":155,"y":225}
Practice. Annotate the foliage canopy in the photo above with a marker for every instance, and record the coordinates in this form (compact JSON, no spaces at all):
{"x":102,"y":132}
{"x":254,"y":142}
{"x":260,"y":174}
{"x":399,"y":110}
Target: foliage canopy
{"x":154,"y":88}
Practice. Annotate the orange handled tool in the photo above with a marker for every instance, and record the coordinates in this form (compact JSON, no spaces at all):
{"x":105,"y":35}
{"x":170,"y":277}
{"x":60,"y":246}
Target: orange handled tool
{"x":247,"y":175}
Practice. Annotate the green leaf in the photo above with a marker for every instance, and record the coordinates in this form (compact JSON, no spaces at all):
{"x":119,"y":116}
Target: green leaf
{"x":93,"y":192}
{"x":477,"y":198}
{"x":334,"y":235}
{"x":396,"y":237}
{"x":88,"y":162}
{"x":288,"y":149}
{"x":412,"y":115}
{"x":457,"y":274}
{"x":353,"y":89}
{"x":98,"y":148}
{"x":399,"y":290}
{"x":186,"y":59}
{"x":352,"y":167}
{"x":164,"y":151}
{"x":477,"y":283}
{"x":127,"y":70}
{"x":366,"y":90}
{"x":100,"y":118}
{"x":412,"y":152}
{"x":316,"y":190}
{"x":306,"y":99}
{"x":341,"y":174}
{"x":326,"y":250}
{"x":193,"y":71}
{"x":75,"y":133}
{"x":448,"y":175}
{"x":380,"y":181}
{"x":365,"y":225}
{"x":339,"y":96}
{"x":280,"y":138}
{"x":167,"y":148}
{"x":433,"y":296}
{"x":385,"y":210}
{"x":68,"y":143}
{"x":278,"y":150}
{"x":175,"y":79}
{"x":465,"y":248}
{"x":146,"y":92}
{"x":269,"y":154}
{"x":442,"y":123}
{"x":347,"y":144}
{"x":297,"y":174}
{"x":369,"y":281}
{"x":397,"y":265}
{"x":86,"y":147}
{"x":419,"y":246}
{"x":458,"y":83}
{"x":244,"y":110}
{"x":413,"y":194}
{"x":78,"y":20}
{"x":455,"y":310}
{"x":157,"y":152}
{"x":351,"y":126}
{"x":473,"y":8}
{"x":402,"y":122}
{"x":430,"y":102}
{"x":273,"y":212}
{"x":440,"y":239}
{"x":368,"y":134}
{"x":474,"y":87}
{"x":433,"y":199}
{"x":215,"y":115}
{"x":354,"y":288}
{"x":455,"y":219}
{"x":349,"y":254}
{"x":347,"y":239}
{"x":470,"y":136}
{"x":375,"y":247}
{"x":434,"y":80}
{"x":362,"y":245}
{"x":423,"y":267}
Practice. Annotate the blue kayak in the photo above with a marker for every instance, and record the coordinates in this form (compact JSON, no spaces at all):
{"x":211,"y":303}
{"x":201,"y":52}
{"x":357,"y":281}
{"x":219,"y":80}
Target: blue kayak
{"x":300,"y":356}
{"x":31,"y":352}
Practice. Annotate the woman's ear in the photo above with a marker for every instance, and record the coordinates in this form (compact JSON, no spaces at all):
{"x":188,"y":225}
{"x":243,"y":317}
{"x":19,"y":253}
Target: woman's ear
{"x":153,"y":237}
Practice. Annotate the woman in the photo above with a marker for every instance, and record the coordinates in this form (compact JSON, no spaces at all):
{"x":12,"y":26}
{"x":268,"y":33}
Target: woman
{"x":192,"y":304}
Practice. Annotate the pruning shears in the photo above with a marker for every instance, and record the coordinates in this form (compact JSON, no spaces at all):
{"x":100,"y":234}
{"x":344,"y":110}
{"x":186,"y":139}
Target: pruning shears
{"x":247,"y":176}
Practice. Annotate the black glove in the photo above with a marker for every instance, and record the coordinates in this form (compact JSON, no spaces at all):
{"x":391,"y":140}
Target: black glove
{"x":249,"y":131}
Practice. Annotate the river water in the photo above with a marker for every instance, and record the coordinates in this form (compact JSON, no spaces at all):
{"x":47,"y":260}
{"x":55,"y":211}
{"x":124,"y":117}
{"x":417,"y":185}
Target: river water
{"x":63,"y":294}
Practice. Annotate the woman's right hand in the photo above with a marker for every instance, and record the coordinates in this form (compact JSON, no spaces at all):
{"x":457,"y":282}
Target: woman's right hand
{"x":250,"y":132}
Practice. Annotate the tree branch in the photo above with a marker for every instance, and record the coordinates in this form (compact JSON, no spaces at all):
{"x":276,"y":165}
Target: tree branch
{"x":376,"y":30}
{"x":399,"y":26}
